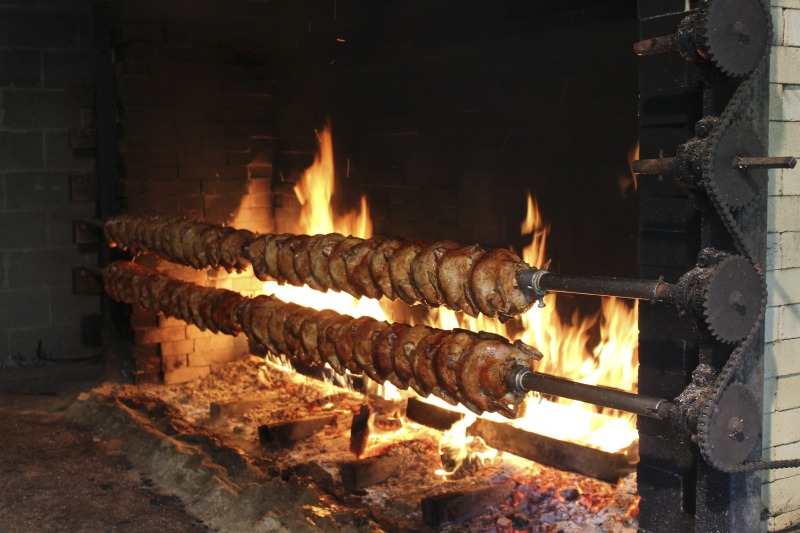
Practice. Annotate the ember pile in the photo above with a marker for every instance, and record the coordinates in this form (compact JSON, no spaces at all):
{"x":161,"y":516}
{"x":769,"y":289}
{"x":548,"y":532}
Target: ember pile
{"x":398,"y":477}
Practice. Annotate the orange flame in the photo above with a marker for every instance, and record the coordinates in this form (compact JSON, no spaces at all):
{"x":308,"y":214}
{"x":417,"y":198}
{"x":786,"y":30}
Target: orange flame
{"x":633,"y":155}
{"x":314,"y":192}
{"x":568,"y":348}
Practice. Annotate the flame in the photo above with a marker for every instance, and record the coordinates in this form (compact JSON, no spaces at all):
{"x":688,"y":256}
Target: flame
{"x":633,"y":155}
{"x":571,"y":350}
{"x":569,"y":353}
{"x":314,"y":191}
{"x":457,"y":446}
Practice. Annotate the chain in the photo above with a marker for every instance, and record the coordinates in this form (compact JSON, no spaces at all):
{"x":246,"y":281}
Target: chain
{"x":726,"y":375}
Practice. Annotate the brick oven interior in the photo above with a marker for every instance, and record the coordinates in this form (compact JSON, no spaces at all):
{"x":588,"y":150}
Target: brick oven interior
{"x":444,"y":116}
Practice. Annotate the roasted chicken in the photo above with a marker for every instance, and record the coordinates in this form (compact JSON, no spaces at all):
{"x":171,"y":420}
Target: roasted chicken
{"x":458,"y":366}
{"x":462,"y":278}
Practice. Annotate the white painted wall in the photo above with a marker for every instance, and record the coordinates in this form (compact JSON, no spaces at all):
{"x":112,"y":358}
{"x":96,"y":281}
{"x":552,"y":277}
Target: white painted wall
{"x":781,"y":488}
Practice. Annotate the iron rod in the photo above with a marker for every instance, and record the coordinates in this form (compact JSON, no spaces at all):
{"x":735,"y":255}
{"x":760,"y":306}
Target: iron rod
{"x":764,"y":162}
{"x":526,"y":380}
{"x":541,"y":281}
{"x":656,"y":45}
{"x":663,"y":165}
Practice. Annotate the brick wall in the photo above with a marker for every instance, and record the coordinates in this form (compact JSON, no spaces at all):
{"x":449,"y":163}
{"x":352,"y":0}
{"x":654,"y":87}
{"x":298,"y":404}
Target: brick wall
{"x":443,"y":115}
{"x":45,"y":91}
{"x":196,"y":139}
{"x":781,"y":488}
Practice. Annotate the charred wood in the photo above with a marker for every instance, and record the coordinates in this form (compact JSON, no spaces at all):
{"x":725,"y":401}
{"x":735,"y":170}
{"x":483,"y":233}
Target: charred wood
{"x":224,"y":410}
{"x":462,"y":504}
{"x":565,"y":455}
{"x":369,"y":471}
{"x":431,"y":415}
{"x":359,"y":431}
{"x":284,"y":434}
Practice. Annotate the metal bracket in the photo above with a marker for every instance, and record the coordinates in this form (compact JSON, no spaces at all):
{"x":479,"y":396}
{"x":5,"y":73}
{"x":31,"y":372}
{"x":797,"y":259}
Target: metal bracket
{"x":87,"y":280}
{"x":85,"y":232}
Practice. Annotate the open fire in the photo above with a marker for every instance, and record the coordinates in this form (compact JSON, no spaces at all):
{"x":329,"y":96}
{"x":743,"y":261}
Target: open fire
{"x":451,"y":471}
{"x":600,"y":349}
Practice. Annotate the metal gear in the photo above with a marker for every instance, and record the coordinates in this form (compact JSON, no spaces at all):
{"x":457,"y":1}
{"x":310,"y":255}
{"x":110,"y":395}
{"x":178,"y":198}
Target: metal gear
{"x":734,"y":187}
{"x":734,"y":35}
{"x":732,"y":299}
{"x":734,"y":428}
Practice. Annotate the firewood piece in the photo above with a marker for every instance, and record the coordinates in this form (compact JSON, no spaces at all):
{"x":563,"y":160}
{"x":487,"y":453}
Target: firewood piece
{"x":565,"y":455}
{"x":315,"y":472}
{"x":285,"y":434}
{"x":369,"y":471}
{"x":223,"y":410}
{"x":431,"y":416}
{"x":463,"y":504}
{"x":359,"y":431}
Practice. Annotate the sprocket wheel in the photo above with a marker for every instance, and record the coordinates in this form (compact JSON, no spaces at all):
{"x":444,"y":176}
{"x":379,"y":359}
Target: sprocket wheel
{"x":735,"y":426}
{"x":732,"y":299}
{"x":735,"y":35}
{"x":735,"y":187}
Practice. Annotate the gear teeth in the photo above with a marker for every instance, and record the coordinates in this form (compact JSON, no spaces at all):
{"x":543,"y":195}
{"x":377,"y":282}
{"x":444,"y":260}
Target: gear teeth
{"x":732,"y":109}
{"x":709,"y":318}
{"x":727,"y":186}
{"x":706,"y":41}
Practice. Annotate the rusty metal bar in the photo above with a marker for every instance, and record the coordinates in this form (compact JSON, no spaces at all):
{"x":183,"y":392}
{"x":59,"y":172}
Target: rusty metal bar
{"x":764,"y":162}
{"x":542,"y":281}
{"x":525,"y":380}
{"x":656,"y":45}
{"x":663,"y":165}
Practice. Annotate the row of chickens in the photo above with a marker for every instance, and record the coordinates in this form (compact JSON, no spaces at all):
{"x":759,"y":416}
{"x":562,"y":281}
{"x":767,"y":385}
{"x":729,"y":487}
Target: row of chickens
{"x":462,"y":278}
{"x":457,"y":366}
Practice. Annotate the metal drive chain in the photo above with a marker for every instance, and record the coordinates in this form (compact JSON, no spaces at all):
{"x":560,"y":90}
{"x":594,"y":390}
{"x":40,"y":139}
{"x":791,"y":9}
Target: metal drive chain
{"x":726,"y":375}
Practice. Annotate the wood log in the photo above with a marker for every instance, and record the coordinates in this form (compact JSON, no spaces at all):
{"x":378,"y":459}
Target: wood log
{"x":462,"y":504}
{"x":283,"y":434}
{"x":222,"y":410}
{"x":565,"y":455}
{"x":359,"y":431}
{"x":369,"y":471}
{"x":431,"y":415}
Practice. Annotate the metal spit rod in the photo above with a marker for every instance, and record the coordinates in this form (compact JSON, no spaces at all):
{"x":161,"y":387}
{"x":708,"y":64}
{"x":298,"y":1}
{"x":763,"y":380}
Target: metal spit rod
{"x":526,"y":380}
{"x":666,"y":165}
{"x":542,"y":281}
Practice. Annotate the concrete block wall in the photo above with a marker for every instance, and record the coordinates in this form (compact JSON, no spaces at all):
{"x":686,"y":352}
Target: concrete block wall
{"x":781,"y":488}
{"x":195,"y":113}
{"x":46,"y":78}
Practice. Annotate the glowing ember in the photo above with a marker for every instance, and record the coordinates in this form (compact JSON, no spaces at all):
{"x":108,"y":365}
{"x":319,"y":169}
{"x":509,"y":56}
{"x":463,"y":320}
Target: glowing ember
{"x":569,"y":348}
